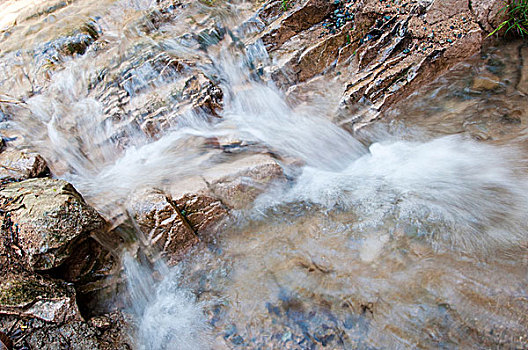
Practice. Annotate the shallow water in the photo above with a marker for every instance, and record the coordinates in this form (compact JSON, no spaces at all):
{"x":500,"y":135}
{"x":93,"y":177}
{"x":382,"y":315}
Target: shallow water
{"x":410,"y":234}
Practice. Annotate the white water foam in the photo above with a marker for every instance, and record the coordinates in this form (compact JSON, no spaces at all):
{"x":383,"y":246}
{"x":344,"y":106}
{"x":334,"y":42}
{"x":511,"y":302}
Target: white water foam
{"x":168,"y":316}
{"x":452,"y":189}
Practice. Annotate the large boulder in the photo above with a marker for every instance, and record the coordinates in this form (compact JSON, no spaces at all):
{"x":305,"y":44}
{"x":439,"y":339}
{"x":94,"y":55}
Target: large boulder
{"x":46,"y":220}
{"x":45,"y":245}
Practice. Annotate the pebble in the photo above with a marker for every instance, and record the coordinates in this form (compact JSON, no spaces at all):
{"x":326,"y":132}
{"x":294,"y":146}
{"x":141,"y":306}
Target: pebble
{"x":485,"y":82}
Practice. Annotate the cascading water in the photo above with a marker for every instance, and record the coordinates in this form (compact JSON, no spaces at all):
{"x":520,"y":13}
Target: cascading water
{"x":392,"y":226}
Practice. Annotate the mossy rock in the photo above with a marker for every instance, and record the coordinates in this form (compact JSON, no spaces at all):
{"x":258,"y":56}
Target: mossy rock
{"x":20,"y":291}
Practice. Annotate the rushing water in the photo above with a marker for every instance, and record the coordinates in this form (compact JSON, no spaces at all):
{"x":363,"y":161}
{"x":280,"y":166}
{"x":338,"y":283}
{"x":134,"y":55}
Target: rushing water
{"x":397,"y":238}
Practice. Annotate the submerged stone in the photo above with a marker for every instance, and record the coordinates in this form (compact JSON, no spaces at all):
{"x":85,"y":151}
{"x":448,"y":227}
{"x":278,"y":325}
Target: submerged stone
{"x":485,"y":82}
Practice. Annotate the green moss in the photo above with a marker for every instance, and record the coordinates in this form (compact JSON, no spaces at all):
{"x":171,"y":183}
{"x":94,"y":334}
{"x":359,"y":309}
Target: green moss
{"x":22,"y":292}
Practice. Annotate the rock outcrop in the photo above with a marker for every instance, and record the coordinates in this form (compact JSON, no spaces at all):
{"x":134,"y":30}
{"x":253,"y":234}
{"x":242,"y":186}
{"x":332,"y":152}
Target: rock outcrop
{"x":47,"y":253}
{"x":381,"y":50}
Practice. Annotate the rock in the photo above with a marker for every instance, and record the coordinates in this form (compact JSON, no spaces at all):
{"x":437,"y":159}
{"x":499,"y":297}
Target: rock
{"x":71,"y":335}
{"x":21,"y":165}
{"x":5,"y":342}
{"x":319,"y":57}
{"x":34,"y":296}
{"x":441,"y":10}
{"x":522,"y":86}
{"x":383,"y":53}
{"x":116,"y":330}
{"x":163,"y":223}
{"x":202,"y":210}
{"x":301,"y":18}
{"x":129,"y":105}
{"x":175,"y":220}
{"x":78,"y":335}
{"x":237,"y":184}
{"x":47,"y":220}
{"x":104,"y":332}
{"x":485,"y":82}
{"x":46,"y":227}
{"x":101,"y":322}
{"x":489,"y":13}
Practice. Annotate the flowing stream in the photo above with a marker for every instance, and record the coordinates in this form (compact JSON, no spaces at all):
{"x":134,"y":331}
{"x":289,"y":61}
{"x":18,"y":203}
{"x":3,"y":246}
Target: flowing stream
{"x":409,"y":234}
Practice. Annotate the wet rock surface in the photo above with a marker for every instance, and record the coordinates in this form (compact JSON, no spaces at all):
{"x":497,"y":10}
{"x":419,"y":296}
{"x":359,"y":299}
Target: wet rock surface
{"x":46,"y":254}
{"x":165,"y":225}
{"x":176,"y":220}
{"x":486,"y":102}
{"x":47,"y":219}
{"x":380,"y":52}
{"x":239,"y":183}
{"x":21,"y":165}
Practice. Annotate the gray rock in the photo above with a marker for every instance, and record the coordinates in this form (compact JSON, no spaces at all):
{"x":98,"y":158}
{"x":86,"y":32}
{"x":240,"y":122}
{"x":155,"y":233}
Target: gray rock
{"x":49,"y":219}
{"x":34,"y":296}
{"x":21,"y":165}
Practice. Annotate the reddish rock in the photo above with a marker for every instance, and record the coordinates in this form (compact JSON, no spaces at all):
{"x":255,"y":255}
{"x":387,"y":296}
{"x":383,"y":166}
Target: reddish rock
{"x":300,"y":18}
{"x":162,"y":222}
{"x":202,"y":211}
{"x":385,"y":53}
{"x":489,"y":13}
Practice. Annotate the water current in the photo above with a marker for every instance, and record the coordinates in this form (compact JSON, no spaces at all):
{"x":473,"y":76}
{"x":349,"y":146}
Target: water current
{"x":410,"y":233}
